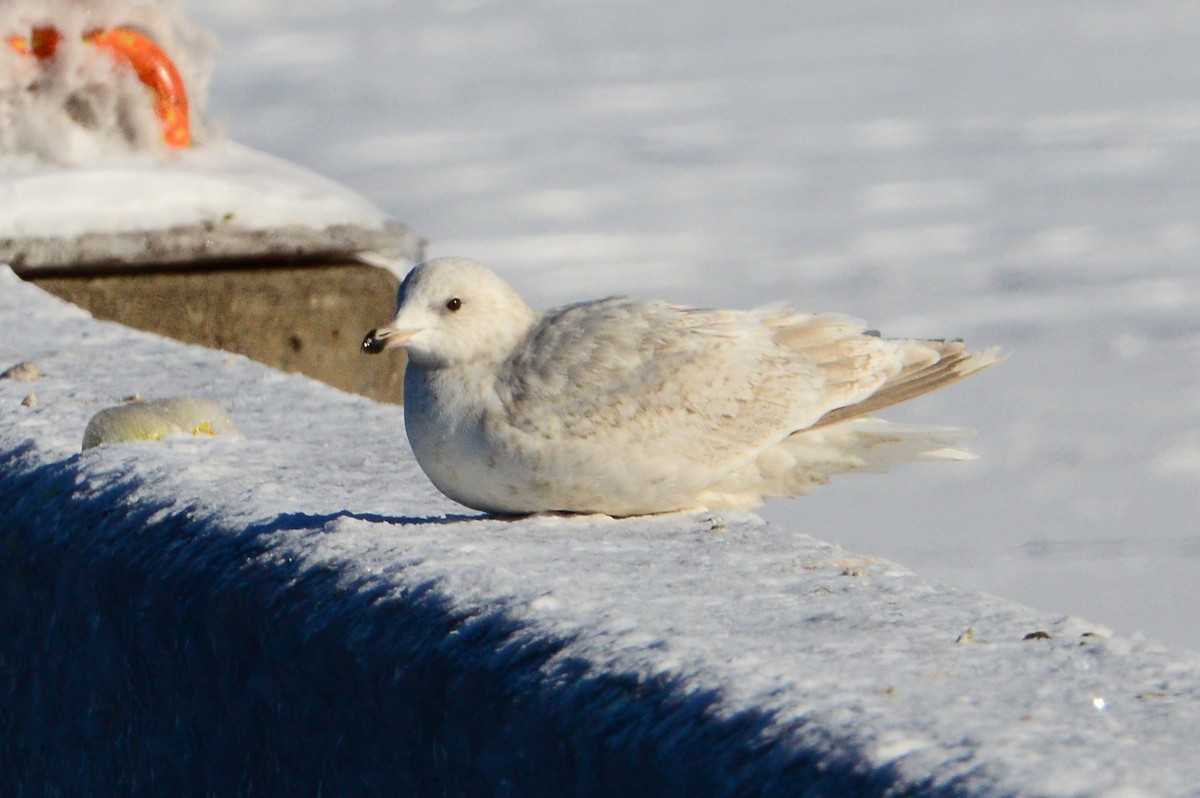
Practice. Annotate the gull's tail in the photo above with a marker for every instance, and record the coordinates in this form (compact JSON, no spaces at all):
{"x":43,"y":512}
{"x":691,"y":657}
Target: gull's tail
{"x":811,"y":457}
{"x":934,"y":365}
{"x":864,"y":374}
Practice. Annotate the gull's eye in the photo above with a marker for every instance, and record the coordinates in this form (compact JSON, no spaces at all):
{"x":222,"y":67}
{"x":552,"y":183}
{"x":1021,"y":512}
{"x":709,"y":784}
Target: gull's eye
{"x":453,"y":304}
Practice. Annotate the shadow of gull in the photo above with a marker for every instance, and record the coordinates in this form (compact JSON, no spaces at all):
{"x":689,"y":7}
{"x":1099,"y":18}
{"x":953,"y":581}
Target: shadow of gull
{"x":314,"y":521}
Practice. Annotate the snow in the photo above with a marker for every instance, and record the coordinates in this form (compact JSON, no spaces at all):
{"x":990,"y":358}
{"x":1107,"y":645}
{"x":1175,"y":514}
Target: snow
{"x":219,"y":185}
{"x":301,"y":607}
{"x":1020,"y":175}
{"x":1016,"y":174}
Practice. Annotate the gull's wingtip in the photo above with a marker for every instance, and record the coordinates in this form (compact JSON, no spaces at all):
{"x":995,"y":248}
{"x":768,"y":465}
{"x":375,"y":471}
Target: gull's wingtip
{"x":978,"y":361}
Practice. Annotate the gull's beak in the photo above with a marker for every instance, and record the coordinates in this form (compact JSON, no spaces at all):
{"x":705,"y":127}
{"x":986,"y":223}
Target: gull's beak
{"x":388,"y":337}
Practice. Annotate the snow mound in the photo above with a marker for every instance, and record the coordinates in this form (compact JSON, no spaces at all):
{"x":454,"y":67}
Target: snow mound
{"x":157,"y":419}
{"x":300,"y":612}
{"x":216,"y":202}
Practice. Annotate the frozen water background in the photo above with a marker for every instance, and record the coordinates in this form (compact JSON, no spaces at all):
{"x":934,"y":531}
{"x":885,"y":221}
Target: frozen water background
{"x":1014,"y":174}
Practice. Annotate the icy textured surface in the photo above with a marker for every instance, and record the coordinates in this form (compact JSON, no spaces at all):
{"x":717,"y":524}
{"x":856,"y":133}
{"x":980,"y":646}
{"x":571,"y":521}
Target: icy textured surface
{"x":301,"y":607}
{"x":1021,"y":174}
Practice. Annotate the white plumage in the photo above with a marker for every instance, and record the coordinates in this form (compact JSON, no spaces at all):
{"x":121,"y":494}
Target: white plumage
{"x":623,"y":406}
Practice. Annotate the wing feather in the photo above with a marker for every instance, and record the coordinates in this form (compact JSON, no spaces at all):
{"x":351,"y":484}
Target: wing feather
{"x":712,"y":386}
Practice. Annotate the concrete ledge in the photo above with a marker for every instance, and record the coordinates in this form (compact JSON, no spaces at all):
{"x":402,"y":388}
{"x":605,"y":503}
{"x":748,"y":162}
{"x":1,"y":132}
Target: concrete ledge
{"x":200,"y":246}
{"x":307,"y":319}
{"x":299,"y":613}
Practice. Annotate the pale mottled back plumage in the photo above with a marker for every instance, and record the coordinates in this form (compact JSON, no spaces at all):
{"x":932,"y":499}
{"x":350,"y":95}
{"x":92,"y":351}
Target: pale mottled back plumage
{"x":625,"y":406}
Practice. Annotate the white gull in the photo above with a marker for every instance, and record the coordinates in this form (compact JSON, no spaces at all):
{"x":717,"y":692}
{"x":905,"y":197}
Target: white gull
{"x":624,"y":406}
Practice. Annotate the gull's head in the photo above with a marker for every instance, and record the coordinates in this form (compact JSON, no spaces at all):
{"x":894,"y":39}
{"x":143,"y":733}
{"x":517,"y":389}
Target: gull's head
{"x":451,"y":311}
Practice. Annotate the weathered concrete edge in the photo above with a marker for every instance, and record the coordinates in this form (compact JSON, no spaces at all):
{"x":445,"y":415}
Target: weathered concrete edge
{"x":202,"y":245}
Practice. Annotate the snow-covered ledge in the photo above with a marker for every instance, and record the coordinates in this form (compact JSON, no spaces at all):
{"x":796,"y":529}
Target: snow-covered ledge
{"x":299,"y":613}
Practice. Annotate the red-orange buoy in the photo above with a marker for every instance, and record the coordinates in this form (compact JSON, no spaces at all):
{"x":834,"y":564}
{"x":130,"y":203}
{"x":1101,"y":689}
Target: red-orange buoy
{"x":156,"y":70}
{"x":153,"y":67}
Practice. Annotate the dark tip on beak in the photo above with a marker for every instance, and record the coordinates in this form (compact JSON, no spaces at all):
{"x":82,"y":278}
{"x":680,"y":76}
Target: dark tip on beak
{"x":373,"y":343}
